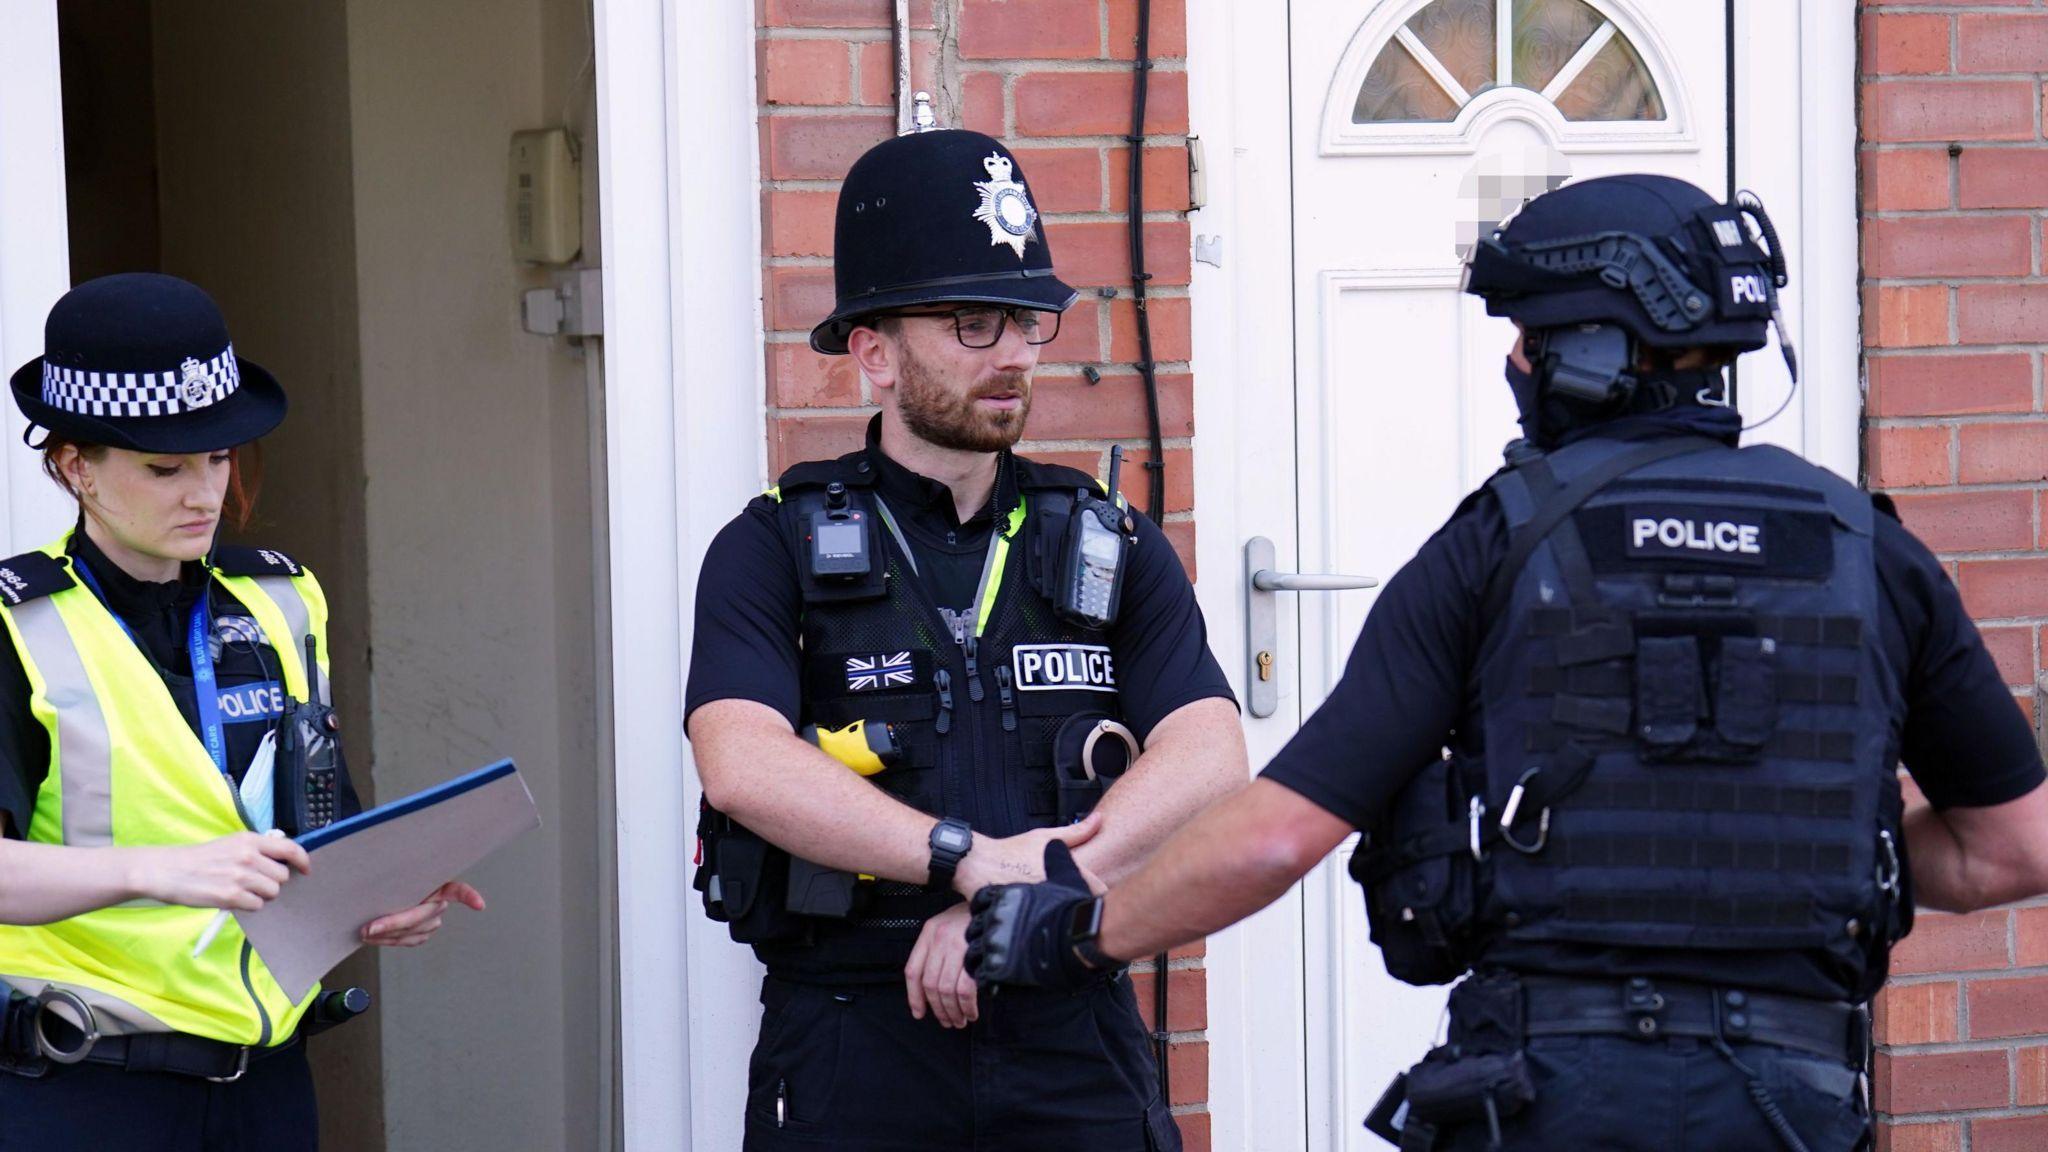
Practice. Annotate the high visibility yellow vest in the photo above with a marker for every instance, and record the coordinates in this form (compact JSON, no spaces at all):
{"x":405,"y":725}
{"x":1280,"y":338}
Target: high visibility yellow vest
{"x":126,"y":770}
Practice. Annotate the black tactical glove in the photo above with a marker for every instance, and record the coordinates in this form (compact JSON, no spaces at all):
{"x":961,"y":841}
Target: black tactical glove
{"x":1027,"y":933}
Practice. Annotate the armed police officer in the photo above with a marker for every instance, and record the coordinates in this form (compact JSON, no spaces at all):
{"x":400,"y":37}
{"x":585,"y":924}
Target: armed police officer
{"x":917,"y":664}
{"x":1667,"y":848}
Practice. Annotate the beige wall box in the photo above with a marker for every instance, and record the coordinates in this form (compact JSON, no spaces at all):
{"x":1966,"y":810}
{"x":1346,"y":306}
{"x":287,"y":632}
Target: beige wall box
{"x":547,"y":197}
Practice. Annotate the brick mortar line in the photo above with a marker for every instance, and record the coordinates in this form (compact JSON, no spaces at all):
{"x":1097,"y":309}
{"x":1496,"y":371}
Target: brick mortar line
{"x":1104,"y":216}
{"x":775,"y":32}
{"x":1968,"y":489}
{"x":1886,"y":147}
{"x":1985,"y":212}
{"x":1077,"y":444}
{"x":1066,"y":65}
{"x":2008,"y":1112}
{"x":2009,"y":280}
{"x":1960,"y":420}
{"x":821,"y":111}
{"x":1100,"y":139}
{"x":1929,"y":352}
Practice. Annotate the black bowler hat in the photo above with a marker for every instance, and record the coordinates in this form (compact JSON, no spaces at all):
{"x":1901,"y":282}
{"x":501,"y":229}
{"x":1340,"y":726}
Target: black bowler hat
{"x":935,"y":217}
{"x":142,"y":361}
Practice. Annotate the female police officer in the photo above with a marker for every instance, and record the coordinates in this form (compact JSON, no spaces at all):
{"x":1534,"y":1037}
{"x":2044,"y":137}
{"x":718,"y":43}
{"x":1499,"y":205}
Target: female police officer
{"x":145,"y":672}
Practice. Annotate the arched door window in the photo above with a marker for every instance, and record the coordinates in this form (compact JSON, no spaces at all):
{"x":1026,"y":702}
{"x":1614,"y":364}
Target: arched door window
{"x":1423,"y":71}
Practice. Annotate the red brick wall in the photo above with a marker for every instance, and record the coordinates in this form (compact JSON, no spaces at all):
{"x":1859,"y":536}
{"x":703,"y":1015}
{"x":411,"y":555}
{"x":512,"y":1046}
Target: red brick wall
{"x":1955,"y":317}
{"x":1052,"y":78}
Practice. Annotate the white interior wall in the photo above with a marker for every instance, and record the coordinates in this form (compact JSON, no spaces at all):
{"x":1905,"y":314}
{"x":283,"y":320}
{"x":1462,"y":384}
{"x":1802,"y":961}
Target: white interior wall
{"x":479,"y":528}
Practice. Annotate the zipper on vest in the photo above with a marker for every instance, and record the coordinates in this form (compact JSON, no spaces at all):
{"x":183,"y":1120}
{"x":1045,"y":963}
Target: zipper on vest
{"x":1009,"y":697}
{"x":249,"y":985}
{"x":944,"y":680}
{"x":974,"y":688}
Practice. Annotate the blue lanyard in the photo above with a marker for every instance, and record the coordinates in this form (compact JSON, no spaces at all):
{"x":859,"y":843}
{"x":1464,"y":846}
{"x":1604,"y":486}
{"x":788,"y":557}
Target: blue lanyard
{"x":205,"y":690}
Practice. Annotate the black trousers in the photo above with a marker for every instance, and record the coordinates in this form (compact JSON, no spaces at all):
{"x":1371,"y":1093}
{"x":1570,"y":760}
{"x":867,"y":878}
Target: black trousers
{"x":849,"y":1069}
{"x":1675,"y":1095}
{"x":96,"y":1107}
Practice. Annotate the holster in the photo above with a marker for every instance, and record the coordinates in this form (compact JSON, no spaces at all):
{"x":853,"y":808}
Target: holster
{"x":1481,"y":1075}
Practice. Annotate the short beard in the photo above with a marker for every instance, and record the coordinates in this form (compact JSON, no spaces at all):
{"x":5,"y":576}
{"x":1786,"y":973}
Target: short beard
{"x":937,"y":415}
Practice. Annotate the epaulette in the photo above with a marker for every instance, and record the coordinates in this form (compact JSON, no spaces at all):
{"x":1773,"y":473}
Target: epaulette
{"x":1038,"y":474}
{"x":852,"y":470}
{"x":33,"y":575}
{"x":240,"y":560}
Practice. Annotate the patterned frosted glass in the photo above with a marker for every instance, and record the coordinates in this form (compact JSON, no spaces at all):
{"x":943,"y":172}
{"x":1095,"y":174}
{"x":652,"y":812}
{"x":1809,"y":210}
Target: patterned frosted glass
{"x":1615,"y":86}
{"x":1547,"y":32}
{"x":1460,"y":34}
{"x":1397,"y":89}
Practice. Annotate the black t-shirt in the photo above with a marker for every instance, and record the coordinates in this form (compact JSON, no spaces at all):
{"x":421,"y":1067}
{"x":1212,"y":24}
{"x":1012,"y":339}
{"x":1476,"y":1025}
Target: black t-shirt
{"x":1411,"y":684}
{"x":749,"y":603}
{"x":250,"y":685}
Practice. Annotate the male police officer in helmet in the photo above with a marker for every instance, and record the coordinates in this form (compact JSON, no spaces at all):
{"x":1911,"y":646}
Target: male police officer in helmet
{"x":923,"y":611}
{"x":1666,"y":849}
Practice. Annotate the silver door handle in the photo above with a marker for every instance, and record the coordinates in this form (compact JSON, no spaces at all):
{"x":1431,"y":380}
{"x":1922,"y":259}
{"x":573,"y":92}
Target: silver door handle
{"x":1267,"y":580}
{"x":1261,"y":618}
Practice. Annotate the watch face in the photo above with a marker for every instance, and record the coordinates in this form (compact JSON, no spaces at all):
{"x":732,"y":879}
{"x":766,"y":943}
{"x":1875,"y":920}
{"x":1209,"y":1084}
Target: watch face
{"x":952,"y":839}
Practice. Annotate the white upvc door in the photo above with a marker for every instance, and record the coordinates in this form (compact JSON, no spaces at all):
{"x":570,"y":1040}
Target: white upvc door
{"x":1350,"y":394}
{"x":35,"y":256}
{"x":685,"y":450}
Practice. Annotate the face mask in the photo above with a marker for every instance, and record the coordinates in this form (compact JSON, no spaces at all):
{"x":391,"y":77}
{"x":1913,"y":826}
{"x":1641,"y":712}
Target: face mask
{"x":1523,"y":384}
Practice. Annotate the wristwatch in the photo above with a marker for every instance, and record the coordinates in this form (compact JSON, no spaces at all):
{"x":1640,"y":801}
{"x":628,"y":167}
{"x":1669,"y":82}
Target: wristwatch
{"x":1082,"y":932}
{"x":951,"y":840}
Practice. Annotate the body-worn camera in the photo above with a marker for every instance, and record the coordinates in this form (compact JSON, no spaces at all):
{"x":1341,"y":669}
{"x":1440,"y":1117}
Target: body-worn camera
{"x":838,"y":538}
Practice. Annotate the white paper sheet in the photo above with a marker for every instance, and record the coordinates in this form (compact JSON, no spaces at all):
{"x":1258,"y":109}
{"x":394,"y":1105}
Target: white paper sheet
{"x":381,"y":861}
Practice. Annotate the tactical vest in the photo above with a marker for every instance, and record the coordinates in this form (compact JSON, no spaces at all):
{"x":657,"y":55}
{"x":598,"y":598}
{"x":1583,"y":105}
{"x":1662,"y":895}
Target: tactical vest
{"x":990,"y":721}
{"x":127,"y":770}
{"x":1691,"y":727}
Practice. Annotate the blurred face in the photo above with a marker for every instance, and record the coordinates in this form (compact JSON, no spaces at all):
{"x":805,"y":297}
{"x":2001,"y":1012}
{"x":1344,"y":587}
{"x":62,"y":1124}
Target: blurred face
{"x":953,"y":396}
{"x":153,"y":504}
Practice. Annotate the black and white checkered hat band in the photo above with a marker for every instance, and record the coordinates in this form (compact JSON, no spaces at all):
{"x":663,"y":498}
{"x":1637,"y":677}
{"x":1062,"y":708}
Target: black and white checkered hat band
{"x":190,"y":386}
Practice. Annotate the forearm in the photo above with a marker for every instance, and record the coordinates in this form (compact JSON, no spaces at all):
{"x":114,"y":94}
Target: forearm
{"x":49,"y":882}
{"x":1234,"y":859}
{"x":803,"y":801}
{"x":1196,"y":757}
{"x":1949,"y":876}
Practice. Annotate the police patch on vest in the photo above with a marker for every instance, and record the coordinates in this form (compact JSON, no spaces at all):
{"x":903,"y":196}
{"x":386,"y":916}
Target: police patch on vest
{"x":1696,"y":535}
{"x":1063,"y":667}
{"x":1735,"y":534}
{"x":880,"y":671}
{"x":250,"y":702}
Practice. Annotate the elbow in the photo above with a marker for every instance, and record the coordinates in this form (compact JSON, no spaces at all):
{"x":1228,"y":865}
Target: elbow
{"x":1279,"y":858}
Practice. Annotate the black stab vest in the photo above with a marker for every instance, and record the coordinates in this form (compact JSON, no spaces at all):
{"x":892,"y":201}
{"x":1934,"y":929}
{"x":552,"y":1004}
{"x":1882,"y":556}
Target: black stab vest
{"x":1691,"y":728}
{"x":990,"y":724}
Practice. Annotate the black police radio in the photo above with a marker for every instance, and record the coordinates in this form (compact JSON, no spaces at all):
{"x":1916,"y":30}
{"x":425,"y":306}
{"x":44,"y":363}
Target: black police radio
{"x":308,"y":757}
{"x":1092,"y":562}
{"x":838,"y":538}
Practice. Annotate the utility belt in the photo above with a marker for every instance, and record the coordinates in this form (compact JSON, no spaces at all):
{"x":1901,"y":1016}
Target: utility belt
{"x":1482,"y":1075}
{"x":33,"y":1037}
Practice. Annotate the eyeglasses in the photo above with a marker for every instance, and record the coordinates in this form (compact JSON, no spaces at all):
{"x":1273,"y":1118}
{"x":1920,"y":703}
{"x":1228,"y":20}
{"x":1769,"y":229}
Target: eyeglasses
{"x":981,"y":327}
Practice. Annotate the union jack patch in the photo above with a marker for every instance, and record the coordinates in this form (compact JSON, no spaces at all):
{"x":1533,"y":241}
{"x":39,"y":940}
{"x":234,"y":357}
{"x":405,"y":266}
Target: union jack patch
{"x":879,"y":671}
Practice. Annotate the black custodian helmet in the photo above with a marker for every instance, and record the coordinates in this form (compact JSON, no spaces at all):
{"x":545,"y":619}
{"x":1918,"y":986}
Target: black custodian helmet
{"x":937,"y":216}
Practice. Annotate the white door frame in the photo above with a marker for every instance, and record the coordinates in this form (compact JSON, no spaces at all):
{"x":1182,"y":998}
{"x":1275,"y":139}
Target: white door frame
{"x":1800,"y":55}
{"x":679,"y":203}
{"x":35,"y":252}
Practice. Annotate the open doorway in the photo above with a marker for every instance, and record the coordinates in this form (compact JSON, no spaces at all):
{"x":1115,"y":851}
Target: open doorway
{"x":333,"y":172}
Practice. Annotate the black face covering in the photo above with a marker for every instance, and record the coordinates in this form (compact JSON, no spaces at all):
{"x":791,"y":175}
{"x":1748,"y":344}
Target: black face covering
{"x":1670,"y":397}
{"x":1523,"y":385}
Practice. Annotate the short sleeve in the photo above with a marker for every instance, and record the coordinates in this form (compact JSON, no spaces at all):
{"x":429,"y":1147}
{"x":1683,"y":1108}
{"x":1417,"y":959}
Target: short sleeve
{"x":1160,"y":640}
{"x":749,"y":611}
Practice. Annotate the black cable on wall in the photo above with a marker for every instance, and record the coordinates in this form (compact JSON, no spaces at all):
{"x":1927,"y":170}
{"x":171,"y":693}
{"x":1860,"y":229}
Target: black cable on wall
{"x":1148,"y":374}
